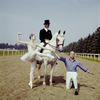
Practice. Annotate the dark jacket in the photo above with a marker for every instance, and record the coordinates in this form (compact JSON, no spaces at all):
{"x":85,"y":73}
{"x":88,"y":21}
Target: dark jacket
{"x":45,"y":35}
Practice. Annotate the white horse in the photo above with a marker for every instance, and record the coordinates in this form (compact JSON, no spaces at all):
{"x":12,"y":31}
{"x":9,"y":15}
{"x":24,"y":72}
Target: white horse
{"x":55,"y":44}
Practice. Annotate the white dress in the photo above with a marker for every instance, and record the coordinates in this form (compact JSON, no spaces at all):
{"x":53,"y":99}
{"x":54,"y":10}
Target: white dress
{"x":31,"y":50}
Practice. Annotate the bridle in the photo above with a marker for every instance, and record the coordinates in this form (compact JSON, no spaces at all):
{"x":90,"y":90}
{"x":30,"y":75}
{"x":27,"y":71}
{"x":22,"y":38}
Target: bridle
{"x":57,"y":45}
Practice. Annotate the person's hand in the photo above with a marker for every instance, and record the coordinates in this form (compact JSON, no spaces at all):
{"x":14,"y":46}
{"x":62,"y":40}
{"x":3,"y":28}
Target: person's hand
{"x":91,"y":73}
{"x":52,"y":51}
{"x":20,"y":33}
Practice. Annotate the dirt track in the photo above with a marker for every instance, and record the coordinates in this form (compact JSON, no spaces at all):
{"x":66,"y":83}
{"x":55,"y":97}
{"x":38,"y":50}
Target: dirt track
{"x":14,"y":78}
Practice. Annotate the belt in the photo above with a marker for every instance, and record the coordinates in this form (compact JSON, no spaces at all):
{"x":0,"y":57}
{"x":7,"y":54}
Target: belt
{"x":47,"y":39}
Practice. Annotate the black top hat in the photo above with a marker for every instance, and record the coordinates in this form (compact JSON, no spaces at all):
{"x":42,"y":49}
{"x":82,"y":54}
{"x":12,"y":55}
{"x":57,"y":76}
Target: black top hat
{"x":46,"y":22}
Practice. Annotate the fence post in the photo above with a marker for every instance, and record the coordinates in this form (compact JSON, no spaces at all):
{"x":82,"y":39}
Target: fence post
{"x":15,"y":52}
{"x":82,"y":55}
{"x":94,"y":56}
{"x":91,"y":56}
{"x":99,"y":57}
{"x":21,"y":52}
{"x":12,"y":52}
{"x":3,"y":52}
{"x":18,"y":52}
{"x":87,"y":55}
{"x":8,"y":53}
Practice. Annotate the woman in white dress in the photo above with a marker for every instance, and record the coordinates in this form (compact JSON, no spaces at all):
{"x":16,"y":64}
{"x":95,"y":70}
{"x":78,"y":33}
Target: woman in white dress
{"x":30,"y":56}
{"x":32,"y":52}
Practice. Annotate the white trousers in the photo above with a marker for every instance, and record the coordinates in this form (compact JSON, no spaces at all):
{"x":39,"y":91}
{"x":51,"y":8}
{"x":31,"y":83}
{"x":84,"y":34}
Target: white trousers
{"x":71,"y":76}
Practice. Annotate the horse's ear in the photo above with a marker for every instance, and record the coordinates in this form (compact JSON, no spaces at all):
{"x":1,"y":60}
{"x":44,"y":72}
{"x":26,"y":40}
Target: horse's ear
{"x":59,"y":32}
{"x":64,"y":32}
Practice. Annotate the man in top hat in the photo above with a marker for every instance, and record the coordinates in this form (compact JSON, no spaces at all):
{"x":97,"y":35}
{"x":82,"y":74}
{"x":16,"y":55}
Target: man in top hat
{"x":45,"y":34}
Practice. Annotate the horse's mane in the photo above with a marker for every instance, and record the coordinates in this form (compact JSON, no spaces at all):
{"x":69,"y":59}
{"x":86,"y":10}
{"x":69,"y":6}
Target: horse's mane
{"x":54,"y":37}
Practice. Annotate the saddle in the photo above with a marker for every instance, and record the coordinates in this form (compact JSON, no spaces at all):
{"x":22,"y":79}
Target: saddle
{"x":43,"y":46}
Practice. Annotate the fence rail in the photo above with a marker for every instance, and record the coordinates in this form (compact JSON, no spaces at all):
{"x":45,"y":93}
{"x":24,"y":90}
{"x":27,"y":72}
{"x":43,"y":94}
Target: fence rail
{"x":95,"y":57}
{"x":5,"y":52}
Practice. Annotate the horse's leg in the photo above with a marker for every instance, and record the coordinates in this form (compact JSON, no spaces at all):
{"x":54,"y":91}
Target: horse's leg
{"x":33,"y":64}
{"x":51,"y":73}
{"x":45,"y":70}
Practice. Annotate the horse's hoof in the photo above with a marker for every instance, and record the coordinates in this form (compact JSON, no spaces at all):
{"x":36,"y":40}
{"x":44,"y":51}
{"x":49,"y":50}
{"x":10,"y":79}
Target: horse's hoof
{"x":38,"y":77}
{"x":30,"y":84}
{"x":50,"y":84}
{"x":44,"y":84}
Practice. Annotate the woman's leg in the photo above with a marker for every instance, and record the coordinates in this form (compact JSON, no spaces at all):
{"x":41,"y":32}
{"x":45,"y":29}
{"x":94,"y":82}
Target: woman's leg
{"x":44,"y":55}
{"x":32,"y":58}
{"x":25,"y":57}
{"x":33,"y":64}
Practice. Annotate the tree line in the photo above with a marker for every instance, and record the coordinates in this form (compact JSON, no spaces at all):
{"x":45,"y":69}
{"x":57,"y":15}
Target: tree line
{"x":90,"y":44}
{"x":9,"y":46}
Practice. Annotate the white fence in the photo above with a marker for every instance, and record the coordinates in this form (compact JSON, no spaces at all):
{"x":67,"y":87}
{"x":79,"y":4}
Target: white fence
{"x":89,"y":56}
{"x":5,"y":52}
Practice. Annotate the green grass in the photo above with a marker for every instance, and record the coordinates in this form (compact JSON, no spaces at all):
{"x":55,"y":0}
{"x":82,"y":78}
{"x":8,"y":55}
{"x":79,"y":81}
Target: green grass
{"x":10,"y":52}
{"x":1,"y":53}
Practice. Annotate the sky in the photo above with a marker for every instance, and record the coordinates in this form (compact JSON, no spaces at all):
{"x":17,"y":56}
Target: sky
{"x":78,"y":18}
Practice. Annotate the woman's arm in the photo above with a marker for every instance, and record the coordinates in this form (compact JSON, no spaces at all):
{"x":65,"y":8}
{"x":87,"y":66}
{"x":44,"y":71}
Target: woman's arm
{"x":49,"y":50}
{"x":18,"y":38}
{"x":56,"y":55}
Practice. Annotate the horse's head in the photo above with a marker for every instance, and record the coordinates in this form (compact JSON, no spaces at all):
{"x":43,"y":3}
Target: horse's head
{"x":60,"y":40}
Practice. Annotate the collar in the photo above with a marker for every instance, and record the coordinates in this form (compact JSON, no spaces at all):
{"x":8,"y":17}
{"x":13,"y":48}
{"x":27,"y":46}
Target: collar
{"x":73,"y":59}
{"x":46,"y":29}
